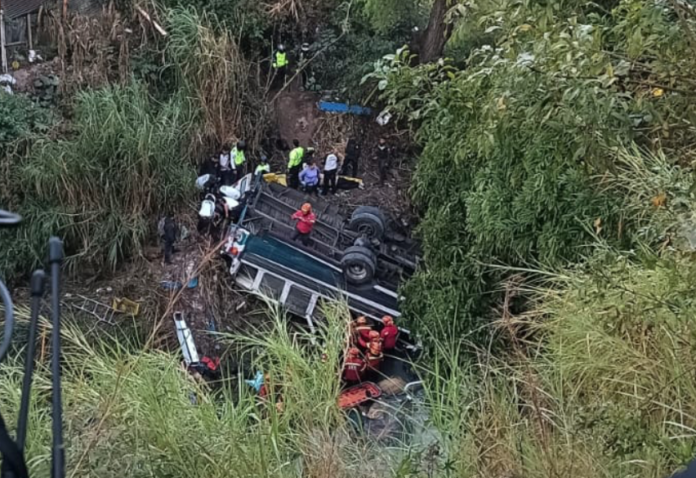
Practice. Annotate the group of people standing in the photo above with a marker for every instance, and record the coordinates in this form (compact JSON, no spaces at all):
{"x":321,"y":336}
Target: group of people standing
{"x":367,"y":347}
{"x":303,"y":172}
{"x":231,"y":163}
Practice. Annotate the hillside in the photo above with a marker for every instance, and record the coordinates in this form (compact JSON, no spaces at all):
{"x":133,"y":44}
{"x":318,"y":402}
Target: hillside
{"x":541,"y":152}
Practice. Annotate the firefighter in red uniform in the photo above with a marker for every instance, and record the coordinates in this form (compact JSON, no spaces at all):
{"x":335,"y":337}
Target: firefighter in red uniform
{"x":354,"y":366}
{"x":361,"y":332}
{"x":390,"y":333}
{"x":374,"y":351}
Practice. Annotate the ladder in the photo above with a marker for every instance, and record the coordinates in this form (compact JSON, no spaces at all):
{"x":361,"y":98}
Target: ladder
{"x":102,"y":312}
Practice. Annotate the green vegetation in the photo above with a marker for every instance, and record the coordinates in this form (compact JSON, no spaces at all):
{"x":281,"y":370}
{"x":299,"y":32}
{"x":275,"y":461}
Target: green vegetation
{"x":128,"y":157}
{"x":556,"y":190}
{"x":141,"y":414}
{"x":520,"y":147}
{"x":99,"y":188}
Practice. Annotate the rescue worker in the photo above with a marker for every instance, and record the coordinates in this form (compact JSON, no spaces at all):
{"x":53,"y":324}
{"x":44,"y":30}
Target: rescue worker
{"x":309,"y":178}
{"x":361,"y":331}
{"x":330,"y":172}
{"x":263,"y":167}
{"x":383,"y":160}
{"x":169,"y":233}
{"x":280,"y":64}
{"x":238,"y":160}
{"x":350,"y":162}
{"x":354,"y":366}
{"x":225,"y":167}
{"x":389,"y":333}
{"x":374,"y":351}
{"x":305,"y":223}
{"x":295,"y":164}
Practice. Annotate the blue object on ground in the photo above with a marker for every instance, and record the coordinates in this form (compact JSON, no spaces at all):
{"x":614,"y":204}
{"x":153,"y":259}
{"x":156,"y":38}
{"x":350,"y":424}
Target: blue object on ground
{"x":332,"y":107}
{"x":193,"y":283}
{"x":171,"y":285}
{"x":257,"y":382}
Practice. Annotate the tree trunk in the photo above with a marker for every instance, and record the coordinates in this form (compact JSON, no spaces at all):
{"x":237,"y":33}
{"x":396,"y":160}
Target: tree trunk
{"x":436,"y":34}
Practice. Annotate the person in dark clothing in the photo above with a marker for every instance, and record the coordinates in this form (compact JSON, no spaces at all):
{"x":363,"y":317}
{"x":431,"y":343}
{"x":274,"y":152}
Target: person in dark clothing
{"x":383,"y":160}
{"x":170,"y":232}
{"x":350,"y":162}
{"x":222,"y":214}
{"x":308,"y":156}
{"x":209,"y":166}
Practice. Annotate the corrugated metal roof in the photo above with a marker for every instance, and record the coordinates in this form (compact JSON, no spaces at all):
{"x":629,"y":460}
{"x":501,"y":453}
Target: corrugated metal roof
{"x":17,"y":8}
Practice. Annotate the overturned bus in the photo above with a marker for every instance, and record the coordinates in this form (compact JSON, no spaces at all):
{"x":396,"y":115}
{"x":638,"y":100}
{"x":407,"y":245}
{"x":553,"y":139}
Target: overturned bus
{"x":361,"y":259}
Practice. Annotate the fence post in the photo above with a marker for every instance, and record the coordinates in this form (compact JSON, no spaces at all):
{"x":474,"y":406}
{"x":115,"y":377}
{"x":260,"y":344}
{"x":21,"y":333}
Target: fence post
{"x":30,"y":39}
{"x":3,"y":52}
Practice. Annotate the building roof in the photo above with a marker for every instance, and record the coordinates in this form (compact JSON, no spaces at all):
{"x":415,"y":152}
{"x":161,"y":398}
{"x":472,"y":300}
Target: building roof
{"x":18,"y":8}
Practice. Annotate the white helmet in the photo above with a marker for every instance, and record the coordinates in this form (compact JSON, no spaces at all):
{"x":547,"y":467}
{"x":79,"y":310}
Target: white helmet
{"x":231,"y":203}
{"x":230,"y":192}
{"x":207,"y":207}
{"x":202,"y":181}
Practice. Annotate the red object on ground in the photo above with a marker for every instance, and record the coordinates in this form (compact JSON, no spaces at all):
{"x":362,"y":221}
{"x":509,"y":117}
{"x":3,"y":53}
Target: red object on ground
{"x":263,"y":391}
{"x":212,"y":364}
{"x":389,"y":334}
{"x":305,"y":222}
{"x":353,"y":369}
{"x":358,"y":394}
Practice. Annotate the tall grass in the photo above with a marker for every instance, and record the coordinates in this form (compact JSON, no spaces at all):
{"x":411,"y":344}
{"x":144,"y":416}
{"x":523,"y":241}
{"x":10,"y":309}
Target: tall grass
{"x":604,"y":389}
{"x":213,"y":73}
{"x":124,"y":161}
{"x":141,"y":414}
{"x":127,"y":158}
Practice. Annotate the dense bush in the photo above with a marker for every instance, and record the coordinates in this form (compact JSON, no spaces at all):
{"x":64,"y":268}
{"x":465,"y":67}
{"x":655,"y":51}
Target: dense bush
{"x":20,"y":118}
{"x":519,"y":145}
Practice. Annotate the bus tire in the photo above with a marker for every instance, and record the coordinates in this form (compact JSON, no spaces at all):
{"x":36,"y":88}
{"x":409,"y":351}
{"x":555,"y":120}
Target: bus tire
{"x":359,"y":265}
{"x":367,"y":223}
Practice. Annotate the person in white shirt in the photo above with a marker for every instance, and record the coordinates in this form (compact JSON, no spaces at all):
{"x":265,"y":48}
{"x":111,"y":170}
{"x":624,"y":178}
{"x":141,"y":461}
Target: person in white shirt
{"x":225,"y":166}
{"x":331,"y":165}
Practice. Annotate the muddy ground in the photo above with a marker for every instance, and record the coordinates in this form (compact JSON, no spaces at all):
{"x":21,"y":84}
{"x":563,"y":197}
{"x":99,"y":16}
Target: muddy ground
{"x":298,"y":117}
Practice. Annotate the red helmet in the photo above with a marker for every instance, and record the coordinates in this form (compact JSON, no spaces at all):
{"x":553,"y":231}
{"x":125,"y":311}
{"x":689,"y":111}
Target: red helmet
{"x":353,"y":352}
{"x":374,"y":334}
{"x":388,"y":320}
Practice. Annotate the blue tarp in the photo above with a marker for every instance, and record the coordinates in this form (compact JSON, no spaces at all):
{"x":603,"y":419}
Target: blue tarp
{"x":344,"y":108}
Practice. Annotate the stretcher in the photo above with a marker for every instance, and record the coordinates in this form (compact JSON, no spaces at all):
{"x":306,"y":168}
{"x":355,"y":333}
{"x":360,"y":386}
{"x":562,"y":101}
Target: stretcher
{"x":358,"y":394}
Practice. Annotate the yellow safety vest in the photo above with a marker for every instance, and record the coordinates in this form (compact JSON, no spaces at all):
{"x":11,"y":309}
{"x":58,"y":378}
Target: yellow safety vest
{"x":262,"y":168}
{"x":239,"y":157}
{"x":296,"y":156}
{"x":281,"y":59}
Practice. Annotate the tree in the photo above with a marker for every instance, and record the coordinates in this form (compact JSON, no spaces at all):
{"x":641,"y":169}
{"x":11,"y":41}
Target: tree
{"x":435,"y":36}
